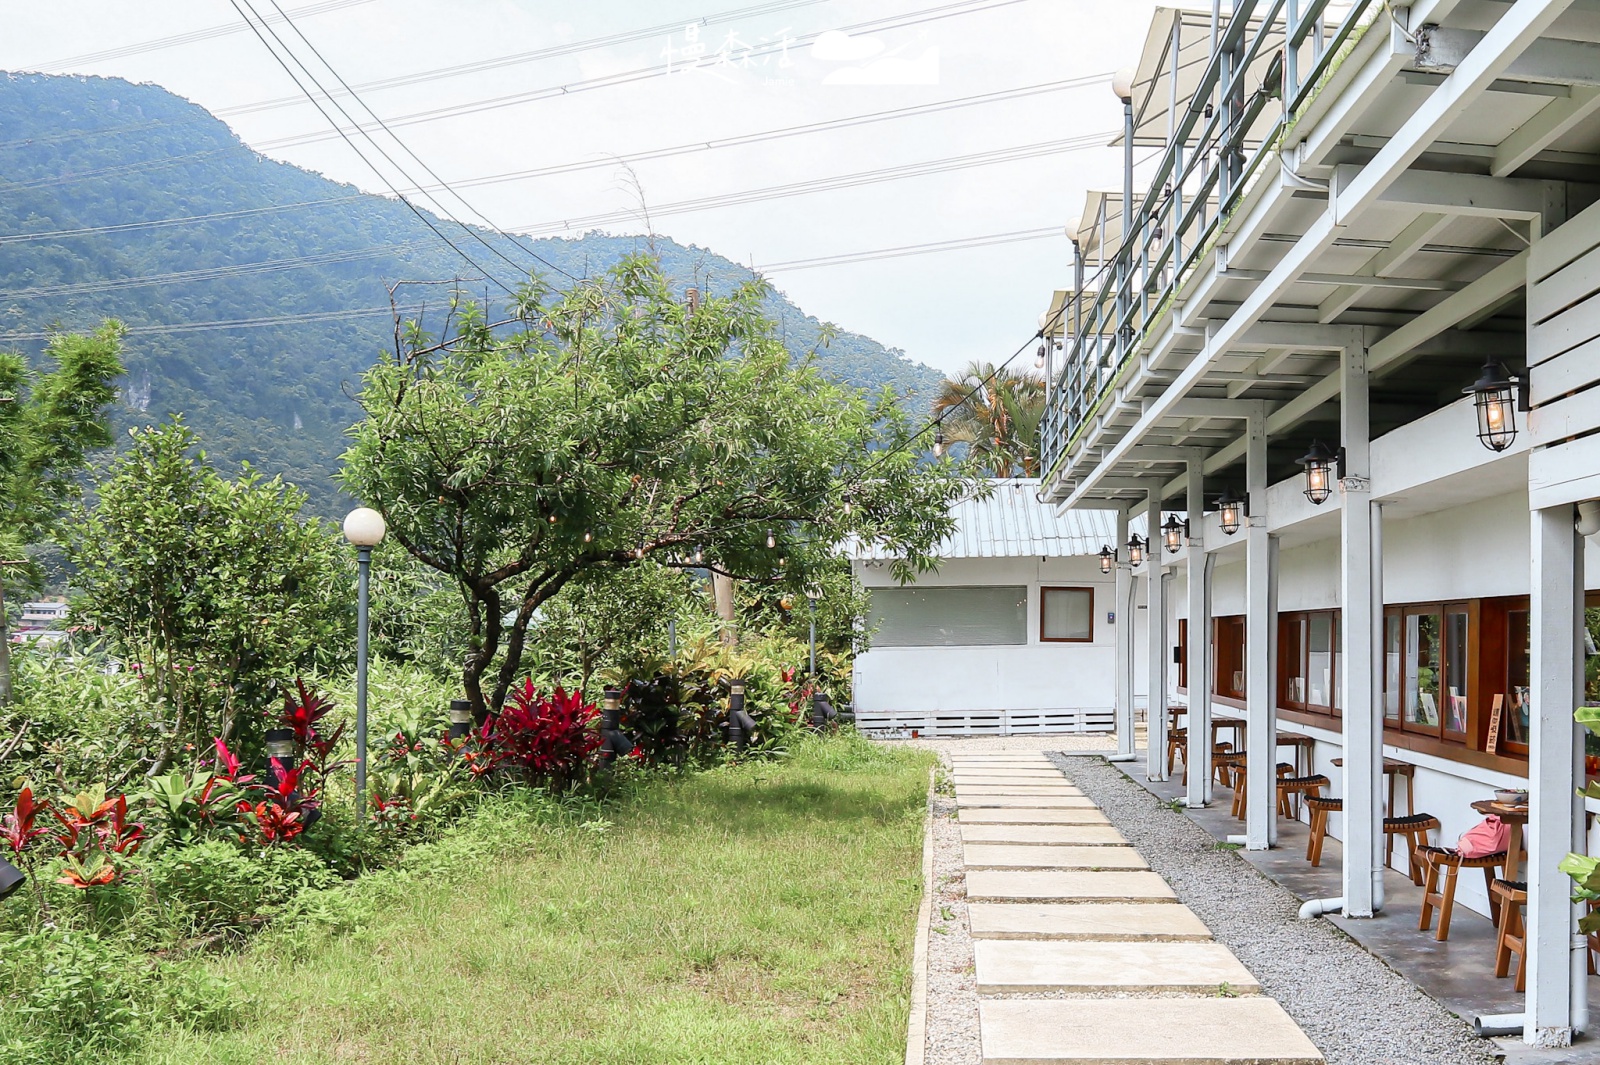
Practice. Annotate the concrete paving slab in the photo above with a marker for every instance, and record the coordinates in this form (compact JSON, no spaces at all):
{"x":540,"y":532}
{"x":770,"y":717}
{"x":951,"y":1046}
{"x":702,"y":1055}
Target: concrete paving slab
{"x":1031,"y":815}
{"x":1066,"y":886}
{"x":1005,"y":856}
{"x":1017,"y":966}
{"x":1060,"y":788}
{"x":1027,"y":762}
{"x":995,"y":776}
{"x":1119,"y":1031}
{"x":967,"y":800}
{"x":1044,"y":835}
{"x":1107,"y":922}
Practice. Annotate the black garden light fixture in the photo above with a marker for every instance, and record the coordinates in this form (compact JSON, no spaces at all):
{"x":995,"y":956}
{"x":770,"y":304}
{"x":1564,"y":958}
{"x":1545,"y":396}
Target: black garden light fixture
{"x":614,"y":743}
{"x":1322,"y":466}
{"x":1497,"y":396}
{"x":11,"y":878}
{"x":1108,"y":559}
{"x":1173,"y":532}
{"x":1231,"y":511}
{"x":1137,"y":545}
{"x":460,"y":719}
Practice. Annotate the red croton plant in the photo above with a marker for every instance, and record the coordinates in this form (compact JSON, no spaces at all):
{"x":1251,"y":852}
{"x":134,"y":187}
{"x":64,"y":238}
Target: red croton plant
{"x":549,"y":736}
{"x":92,"y":833}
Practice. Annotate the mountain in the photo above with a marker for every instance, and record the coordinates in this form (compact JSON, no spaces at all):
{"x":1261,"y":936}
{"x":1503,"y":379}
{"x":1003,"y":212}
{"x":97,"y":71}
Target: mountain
{"x":300,"y":264}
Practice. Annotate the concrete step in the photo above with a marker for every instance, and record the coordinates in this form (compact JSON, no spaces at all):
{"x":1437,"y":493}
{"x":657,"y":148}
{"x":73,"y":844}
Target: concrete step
{"x":1032,"y":815}
{"x":1006,"y":856}
{"x":1067,"y":886}
{"x":1107,"y":922}
{"x":1019,"y":966}
{"x":1044,"y":835}
{"x":1061,"y":802}
{"x":1133,"y":1031}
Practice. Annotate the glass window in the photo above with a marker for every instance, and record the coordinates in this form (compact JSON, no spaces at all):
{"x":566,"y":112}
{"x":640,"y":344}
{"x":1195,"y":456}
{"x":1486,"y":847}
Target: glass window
{"x":1066,"y":614}
{"x":1455,"y":664}
{"x":1338,"y":662}
{"x":949,"y":617}
{"x":1422,"y":671}
{"x":1391,"y":667}
{"x":1519,"y":657}
{"x":1292,"y":634}
{"x":1320,"y":661}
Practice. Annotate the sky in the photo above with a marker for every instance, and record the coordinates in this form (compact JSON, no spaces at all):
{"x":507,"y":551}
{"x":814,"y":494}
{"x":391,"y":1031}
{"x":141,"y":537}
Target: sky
{"x":613,"y":82}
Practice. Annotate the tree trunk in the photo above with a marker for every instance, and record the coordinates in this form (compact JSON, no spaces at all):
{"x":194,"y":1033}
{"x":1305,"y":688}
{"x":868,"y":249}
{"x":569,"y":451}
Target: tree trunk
{"x":5,"y":648}
{"x":722,"y":590}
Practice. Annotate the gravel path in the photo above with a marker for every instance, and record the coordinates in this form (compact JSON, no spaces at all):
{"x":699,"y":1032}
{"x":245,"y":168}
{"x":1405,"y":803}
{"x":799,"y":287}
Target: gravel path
{"x":952,"y":983}
{"x":1354,"y":1007}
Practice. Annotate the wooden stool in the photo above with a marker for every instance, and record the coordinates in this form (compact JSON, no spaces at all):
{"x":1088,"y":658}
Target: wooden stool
{"x":1178,"y":745}
{"x":1513,"y":895}
{"x":1415,"y":828}
{"x":1319,"y":806}
{"x":1437,"y":858}
{"x":1241,"y":787}
{"x":1217,"y":750}
{"x":1290,"y":787}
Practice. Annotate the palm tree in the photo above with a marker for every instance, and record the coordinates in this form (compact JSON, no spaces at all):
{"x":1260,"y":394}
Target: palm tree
{"x":996,"y":412}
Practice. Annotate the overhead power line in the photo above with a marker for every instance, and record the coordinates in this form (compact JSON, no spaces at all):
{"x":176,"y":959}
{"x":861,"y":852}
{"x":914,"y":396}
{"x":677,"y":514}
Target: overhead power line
{"x":232,"y":323}
{"x":210,"y":33}
{"x":929,"y":248}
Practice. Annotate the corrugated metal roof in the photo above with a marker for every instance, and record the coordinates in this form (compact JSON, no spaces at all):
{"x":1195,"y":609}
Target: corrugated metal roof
{"x":1012,"y":523}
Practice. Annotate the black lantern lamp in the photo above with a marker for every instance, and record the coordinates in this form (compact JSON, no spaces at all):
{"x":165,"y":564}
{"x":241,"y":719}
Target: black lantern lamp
{"x":1173,"y":532}
{"x":1322,"y":468}
{"x":740,"y":723}
{"x":1231,"y":511}
{"x":280,"y":751}
{"x":11,"y":878}
{"x":1492,"y":395}
{"x":1136,"y":549}
{"x":460,"y":719}
{"x":1108,"y":559}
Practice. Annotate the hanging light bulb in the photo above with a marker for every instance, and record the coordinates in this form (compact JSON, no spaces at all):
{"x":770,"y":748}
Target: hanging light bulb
{"x":588,"y":537}
{"x":1231,"y":511}
{"x":1108,"y":559}
{"x":552,"y":519}
{"x":938,"y":439}
{"x":1321,"y":465}
{"x":772,"y":541}
{"x":848,"y":507}
{"x":699,"y":555}
{"x":1038,"y":360}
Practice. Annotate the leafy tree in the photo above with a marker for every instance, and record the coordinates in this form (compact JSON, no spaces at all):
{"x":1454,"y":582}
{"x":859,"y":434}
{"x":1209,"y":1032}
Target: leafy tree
{"x":212,"y":588}
{"x":48,"y":424}
{"x":616,"y":425}
{"x":996,"y":412}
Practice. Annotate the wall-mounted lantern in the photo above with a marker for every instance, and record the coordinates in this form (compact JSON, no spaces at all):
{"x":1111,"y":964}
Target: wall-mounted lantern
{"x":1173,"y":532}
{"x":1231,"y":510}
{"x":1321,"y":470}
{"x":1108,"y":559}
{"x":1492,"y":395}
{"x":1136,"y":549}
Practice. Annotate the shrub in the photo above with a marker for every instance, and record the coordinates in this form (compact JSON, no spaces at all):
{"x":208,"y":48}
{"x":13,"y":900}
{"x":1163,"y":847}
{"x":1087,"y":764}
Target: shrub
{"x":216,"y":887}
{"x":551,"y":737}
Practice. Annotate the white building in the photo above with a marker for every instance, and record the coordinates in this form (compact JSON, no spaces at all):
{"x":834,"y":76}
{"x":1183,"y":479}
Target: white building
{"x":1353,"y":208}
{"x":1013,"y":633}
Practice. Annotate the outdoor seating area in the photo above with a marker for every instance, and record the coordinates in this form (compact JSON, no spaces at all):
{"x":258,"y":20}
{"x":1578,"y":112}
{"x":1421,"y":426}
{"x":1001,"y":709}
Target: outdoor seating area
{"x":1434,"y":865}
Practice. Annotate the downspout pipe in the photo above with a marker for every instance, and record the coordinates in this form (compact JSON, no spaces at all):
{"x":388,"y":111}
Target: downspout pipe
{"x":1318,"y":907}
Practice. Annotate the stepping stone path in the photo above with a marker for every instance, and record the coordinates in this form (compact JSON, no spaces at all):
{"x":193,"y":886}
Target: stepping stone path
{"x":1082,"y":954}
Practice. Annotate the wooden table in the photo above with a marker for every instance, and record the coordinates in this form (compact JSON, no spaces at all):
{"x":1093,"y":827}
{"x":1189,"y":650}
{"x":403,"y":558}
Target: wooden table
{"x":1516,"y":816}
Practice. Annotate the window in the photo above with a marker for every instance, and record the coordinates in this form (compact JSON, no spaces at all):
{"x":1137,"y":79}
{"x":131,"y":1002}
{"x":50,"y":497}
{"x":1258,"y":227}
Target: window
{"x":1431,"y":670}
{"x":1309,"y":656}
{"x":1183,"y":653}
{"x":1228,"y":678}
{"x":949,"y":617}
{"x":1391,"y":669}
{"x":1515,"y":704}
{"x":1066,"y":615}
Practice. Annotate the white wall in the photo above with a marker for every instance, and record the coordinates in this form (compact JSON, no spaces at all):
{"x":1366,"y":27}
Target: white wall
{"x":1031,"y":676}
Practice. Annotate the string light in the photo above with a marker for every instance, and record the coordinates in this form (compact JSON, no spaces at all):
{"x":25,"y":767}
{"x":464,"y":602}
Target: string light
{"x":938,"y":439}
{"x":588,"y":537}
{"x":772,"y":541}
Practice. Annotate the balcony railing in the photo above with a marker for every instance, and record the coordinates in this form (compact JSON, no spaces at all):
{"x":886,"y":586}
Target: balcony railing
{"x":1207,"y":166}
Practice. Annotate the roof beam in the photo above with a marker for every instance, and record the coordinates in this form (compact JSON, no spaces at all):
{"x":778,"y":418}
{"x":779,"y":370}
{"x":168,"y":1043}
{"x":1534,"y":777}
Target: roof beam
{"x":1542,"y":130}
{"x":1457,"y":194}
{"x":1410,"y":241}
{"x":1551,"y":60}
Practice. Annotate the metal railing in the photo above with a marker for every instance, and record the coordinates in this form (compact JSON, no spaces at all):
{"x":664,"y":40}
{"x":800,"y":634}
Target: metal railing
{"x":1205,"y":169}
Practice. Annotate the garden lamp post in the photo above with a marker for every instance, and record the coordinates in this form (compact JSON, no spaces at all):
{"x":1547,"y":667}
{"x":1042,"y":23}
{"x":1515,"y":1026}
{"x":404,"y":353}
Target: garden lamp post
{"x":813,"y":594}
{"x":363,"y":527}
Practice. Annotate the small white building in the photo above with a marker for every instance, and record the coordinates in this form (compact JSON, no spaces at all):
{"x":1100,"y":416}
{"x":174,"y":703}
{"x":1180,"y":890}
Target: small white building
{"x":1013,"y":633}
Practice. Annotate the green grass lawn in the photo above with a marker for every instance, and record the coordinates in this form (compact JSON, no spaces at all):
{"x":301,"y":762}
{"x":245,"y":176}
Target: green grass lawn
{"x":762,"y":913}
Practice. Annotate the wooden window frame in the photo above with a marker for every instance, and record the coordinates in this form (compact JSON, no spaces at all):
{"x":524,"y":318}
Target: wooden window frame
{"x":1183,"y":654}
{"x":1305,"y":618}
{"x":1218,"y":624}
{"x":1044,"y":591}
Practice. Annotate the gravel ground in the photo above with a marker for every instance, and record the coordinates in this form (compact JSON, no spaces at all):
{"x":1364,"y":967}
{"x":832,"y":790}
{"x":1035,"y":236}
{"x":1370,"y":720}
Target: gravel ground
{"x":1356,"y":1009}
{"x":952,"y":984}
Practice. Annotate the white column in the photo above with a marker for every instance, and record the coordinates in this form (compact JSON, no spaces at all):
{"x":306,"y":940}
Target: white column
{"x":1123,"y":632}
{"x":1360,"y":597}
{"x":1198,"y":762}
{"x":1156,"y":731}
{"x":1261,"y":738}
{"x":1555,"y":771}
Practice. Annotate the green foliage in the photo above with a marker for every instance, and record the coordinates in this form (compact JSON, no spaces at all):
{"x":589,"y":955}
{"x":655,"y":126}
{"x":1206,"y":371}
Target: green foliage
{"x":214,"y":589}
{"x":996,"y":412}
{"x":273,"y":395}
{"x":217,"y":887}
{"x":615,"y":426}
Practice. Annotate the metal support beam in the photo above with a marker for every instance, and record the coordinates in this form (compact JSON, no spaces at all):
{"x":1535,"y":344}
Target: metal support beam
{"x":1542,"y":130}
{"x":1197,"y":762}
{"x":1409,"y":241}
{"x":1360,"y":596}
{"x":1548,"y":60}
{"x":1261,"y":730}
{"x":1556,"y":955}
{"x":1156,"y":629}
{"x":1474,"y":195}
